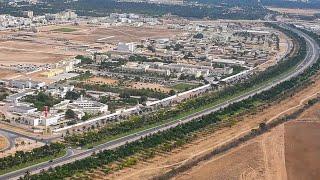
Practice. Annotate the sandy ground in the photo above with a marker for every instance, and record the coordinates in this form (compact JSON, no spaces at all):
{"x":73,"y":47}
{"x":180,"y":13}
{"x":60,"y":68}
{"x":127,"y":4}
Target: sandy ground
{"x":302,"y":150}
{"x":102,"y":80}
{"x":306,"y":12}
{"x":21,"y":144}
{"x":156,"y":87}
{"x":8,"y":74}
{"x":238,"y":164}
{"x":289,"y":151}
{"x":261,"y":158}
{"x":207,"y":142}
{"x":93,"y":33}
{"x":34,"y":51}
{"x":48,"y":46}
{"x":3,"y":142}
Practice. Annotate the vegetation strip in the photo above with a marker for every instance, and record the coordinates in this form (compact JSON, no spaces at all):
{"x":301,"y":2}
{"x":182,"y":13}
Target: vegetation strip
{"x":25,"y":159}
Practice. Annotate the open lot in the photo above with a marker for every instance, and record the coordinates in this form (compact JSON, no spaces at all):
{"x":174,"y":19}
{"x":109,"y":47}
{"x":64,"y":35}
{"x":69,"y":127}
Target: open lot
{"x":92,"y":33}
{"x":302,"y":149}
{"x":102,"y":80}
{"x":8,"y":74}
{"x":58,"y":42}
{"x":153,"y":86}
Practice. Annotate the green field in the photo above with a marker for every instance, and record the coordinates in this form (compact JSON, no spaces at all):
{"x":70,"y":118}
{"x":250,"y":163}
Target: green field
{"x":64,"y":30}
{"x":184,"y":86}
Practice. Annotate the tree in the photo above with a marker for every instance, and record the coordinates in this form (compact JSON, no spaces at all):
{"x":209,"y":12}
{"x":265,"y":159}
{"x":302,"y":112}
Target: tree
{"x":71,"y":95}
{"x":172,"y":92}
{"x":198,"y":36}
{"x":70,"y":114}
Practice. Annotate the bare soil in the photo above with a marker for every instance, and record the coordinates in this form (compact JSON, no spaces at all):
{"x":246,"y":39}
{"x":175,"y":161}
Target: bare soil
{"x":302,"y":150}
{"x":7,"y":74}
{"x":102,"y":80}
{"x":245,"y":162}
{"x":92,"y":33}
{"x":153,"y":86}
{"x":3,"y":142}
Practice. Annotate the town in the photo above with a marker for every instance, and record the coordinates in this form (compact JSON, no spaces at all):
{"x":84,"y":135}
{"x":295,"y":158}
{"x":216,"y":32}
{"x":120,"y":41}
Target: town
{"x":105,"y":77}
{"x":107,"y":89}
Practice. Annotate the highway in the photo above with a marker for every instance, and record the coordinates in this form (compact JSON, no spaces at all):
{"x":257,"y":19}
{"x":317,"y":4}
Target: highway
{"x":311,"y":57}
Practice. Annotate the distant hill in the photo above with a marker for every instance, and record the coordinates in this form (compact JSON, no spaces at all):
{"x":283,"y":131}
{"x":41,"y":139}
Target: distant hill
{"x":215,"y":9}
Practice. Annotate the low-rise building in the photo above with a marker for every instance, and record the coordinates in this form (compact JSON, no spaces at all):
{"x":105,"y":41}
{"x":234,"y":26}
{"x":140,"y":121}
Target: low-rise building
{"x":17,"y":109}
{"x":29,"y":84}
{"x":88,"y":106}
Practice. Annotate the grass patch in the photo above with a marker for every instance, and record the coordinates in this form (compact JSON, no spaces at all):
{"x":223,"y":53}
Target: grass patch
{"x":64,"y":30}
{"x":183,"y":86}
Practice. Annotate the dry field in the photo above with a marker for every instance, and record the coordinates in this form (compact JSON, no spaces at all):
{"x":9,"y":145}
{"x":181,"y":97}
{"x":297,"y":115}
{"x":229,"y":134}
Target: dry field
{"x":271,"y":145}
{"x":290,"y":151}
{"x":92,"y":33}
{"x":261,"y":158}
{"x":306,"y":12}
{"x":156,"y":87}
{"x":8,"y":74}
{"x":34,"y":51}
{"x":3,"y":142}
{"x":58,"y":42}
{"x":102,"y":80}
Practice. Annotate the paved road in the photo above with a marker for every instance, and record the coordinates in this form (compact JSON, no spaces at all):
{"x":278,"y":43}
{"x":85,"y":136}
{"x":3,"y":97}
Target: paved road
{"x":28,"y":137}
{"x":11,"y":139}
{"x":311,"y":57}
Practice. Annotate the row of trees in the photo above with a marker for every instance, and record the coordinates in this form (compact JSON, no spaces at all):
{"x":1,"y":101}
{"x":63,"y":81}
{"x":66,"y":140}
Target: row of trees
{"x":21,"y":157}
{"x":194,"y":103}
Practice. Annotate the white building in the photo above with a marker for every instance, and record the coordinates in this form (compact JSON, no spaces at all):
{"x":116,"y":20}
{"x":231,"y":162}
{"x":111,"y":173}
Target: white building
{"x":126,"y":47}
{"x":28,"y":14}
{"x":36,"y":120}
{"x":22,"y":109}
{"x":29,"y":84}
{"x":88,"y":106}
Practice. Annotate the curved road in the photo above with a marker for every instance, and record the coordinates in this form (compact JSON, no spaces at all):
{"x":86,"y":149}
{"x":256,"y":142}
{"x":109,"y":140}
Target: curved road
{"x":311,"y":57}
